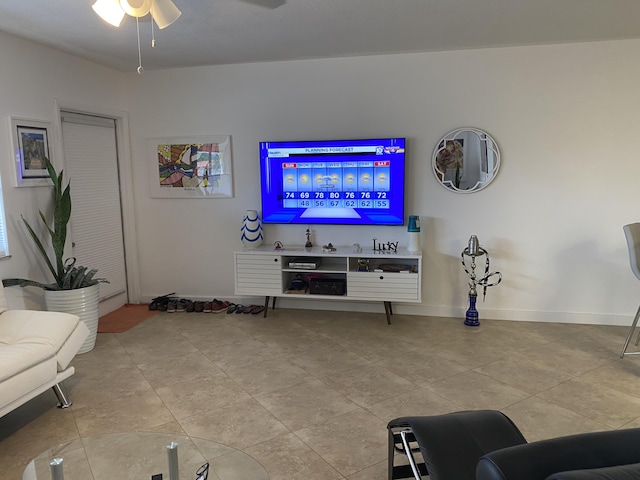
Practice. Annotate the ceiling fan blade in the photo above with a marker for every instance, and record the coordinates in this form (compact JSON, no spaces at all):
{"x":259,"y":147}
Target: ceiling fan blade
{"x":266,"y":3}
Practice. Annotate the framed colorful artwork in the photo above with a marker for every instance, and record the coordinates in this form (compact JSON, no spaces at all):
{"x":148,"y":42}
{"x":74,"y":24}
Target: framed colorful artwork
{"x":191,"y":167}
{"x":31,"y":141}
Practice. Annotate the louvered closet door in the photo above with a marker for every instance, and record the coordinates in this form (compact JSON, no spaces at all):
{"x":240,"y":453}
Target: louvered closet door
{"x":91,"y":164}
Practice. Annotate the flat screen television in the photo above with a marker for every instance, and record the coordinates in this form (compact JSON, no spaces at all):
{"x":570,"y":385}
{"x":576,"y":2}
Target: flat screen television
{"x":340,"y":182}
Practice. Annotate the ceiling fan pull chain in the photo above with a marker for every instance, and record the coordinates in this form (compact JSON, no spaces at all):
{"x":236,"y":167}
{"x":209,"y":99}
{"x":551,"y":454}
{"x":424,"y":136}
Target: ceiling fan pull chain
{"x":153,"y":34}
{"x":140,"y":69}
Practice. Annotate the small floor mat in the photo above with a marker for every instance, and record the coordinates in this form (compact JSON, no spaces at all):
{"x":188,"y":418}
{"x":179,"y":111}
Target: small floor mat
{"x":124,"y":318}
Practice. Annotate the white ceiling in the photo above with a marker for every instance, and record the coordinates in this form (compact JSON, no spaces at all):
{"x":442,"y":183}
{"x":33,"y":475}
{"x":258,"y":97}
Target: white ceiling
{"x":211,"y":32}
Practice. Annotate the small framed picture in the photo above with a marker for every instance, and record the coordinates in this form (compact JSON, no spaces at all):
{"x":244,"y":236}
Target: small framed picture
{"x":31,"y":144}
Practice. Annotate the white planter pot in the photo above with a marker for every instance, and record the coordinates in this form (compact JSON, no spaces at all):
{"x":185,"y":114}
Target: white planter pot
{"x":82,"y":302}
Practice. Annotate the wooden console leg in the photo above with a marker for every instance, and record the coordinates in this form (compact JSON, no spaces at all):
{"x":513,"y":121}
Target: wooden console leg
{"x":266,"y":307}
{"x":388,"y":311}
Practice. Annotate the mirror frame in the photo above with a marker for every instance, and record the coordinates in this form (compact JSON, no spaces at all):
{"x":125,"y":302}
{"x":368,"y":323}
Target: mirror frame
{"x":490,"y":146}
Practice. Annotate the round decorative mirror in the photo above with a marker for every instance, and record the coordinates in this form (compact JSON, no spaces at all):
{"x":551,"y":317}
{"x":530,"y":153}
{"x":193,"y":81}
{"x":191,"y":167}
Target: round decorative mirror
{"x":466,"y":160}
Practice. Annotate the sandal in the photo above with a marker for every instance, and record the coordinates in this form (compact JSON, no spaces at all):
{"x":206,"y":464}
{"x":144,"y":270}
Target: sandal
{"x":240,"y":308}
{"x":248,"y":309}
{"x":257,"y":309}
{"x":232,"y":308}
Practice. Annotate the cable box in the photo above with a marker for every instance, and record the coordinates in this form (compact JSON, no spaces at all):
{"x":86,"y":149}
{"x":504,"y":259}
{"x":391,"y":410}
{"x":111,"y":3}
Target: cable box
{"x":305,"y":263}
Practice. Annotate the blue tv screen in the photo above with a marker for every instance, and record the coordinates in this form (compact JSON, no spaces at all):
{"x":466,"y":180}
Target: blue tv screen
{"x":340,"y":182}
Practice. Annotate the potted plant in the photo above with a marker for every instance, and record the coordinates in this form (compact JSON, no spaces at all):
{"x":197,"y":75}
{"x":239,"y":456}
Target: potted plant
{"x":75,"y":288}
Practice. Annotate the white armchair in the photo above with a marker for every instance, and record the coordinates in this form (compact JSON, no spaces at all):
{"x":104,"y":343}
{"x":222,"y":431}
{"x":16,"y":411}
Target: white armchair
{"x":36,"y":349}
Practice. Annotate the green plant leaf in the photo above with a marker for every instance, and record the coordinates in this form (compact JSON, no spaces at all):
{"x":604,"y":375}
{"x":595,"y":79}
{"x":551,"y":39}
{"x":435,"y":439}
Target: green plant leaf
{"x":41,"y":248}
{"x":65,"y":272}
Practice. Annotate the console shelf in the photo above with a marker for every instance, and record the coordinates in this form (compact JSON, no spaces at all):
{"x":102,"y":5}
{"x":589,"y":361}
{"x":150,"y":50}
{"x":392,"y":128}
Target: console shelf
{"x":318,"y":275}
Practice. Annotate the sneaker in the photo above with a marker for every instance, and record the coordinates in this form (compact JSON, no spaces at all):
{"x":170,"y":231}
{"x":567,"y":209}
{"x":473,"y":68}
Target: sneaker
{"x":181,"y":305}
{"x":157,"y":302}
{"x":163,"y":305}
{"x":218,"y":307}
{"x":172,"y":306}
{"x":208,"y":307}
{"x":198,"y":307}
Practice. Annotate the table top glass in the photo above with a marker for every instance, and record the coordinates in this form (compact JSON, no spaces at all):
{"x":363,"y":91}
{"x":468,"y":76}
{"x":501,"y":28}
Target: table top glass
{"x":138,"y":456}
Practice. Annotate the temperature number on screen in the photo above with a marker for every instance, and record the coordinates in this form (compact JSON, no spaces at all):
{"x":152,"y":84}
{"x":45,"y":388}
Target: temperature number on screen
{"x":351,"y":199}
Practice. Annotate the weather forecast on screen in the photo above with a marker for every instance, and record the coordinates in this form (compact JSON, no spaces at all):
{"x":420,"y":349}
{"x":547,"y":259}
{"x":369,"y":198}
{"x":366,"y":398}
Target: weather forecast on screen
{"x":333,"y":182}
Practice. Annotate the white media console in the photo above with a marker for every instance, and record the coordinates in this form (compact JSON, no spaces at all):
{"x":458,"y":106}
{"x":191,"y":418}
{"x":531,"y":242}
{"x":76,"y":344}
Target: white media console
{"x":312,"y":273}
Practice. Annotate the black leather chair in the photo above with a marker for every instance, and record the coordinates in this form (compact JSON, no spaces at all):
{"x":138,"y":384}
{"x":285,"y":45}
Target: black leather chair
{"x":600,"y":455}
{"x":450,"y":444}
{"x":487,"y":445}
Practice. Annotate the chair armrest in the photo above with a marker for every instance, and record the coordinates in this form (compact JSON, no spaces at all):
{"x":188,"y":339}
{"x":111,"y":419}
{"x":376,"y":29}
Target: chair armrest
{"x":539,"y":460}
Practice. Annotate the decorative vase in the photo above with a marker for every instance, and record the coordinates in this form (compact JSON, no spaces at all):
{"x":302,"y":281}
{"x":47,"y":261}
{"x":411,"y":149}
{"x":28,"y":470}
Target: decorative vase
{"x":82,"y":302}
{"x":251,"y":231}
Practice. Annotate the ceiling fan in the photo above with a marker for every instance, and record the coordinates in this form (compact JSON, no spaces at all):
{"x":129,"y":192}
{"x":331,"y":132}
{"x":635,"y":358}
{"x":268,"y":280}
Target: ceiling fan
{"x":163,"y":13}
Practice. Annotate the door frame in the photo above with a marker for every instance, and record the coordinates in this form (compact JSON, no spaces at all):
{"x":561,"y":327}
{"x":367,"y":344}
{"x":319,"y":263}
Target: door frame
{"x":121,"y":119}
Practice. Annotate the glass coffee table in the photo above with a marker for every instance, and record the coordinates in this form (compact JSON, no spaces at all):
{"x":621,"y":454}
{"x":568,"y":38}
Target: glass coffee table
{"x":138,"y":456}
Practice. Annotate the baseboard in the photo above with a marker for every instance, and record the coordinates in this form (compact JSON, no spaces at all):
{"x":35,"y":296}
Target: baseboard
{"x":439,"y":311}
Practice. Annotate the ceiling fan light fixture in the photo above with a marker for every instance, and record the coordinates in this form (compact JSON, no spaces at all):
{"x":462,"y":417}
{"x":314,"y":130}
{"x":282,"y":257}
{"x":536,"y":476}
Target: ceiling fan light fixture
{"x":164,"y":12}
{"x":136,"y":8}
{"x":110,"y":11}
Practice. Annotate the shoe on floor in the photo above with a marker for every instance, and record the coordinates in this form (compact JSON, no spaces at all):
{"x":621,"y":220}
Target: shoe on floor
{"x":218,"y":306}
{"x":172,"y":306}
{"x":156,"y":302}
{"x":163,"y":305}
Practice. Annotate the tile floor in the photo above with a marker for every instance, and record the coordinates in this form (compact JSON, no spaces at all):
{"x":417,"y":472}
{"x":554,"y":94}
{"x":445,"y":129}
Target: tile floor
{"x":309,"y":393}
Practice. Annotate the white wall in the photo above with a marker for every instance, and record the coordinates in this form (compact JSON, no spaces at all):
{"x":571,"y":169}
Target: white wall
{"x":32,"y":77}
{"x":566,"y":118}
